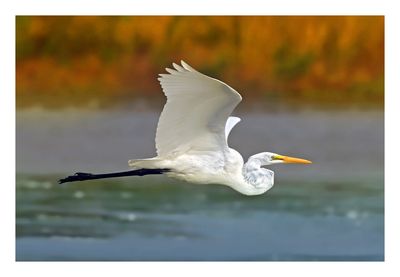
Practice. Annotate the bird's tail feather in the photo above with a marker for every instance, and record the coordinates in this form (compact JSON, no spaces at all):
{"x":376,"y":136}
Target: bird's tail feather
{"x":150,"y":163}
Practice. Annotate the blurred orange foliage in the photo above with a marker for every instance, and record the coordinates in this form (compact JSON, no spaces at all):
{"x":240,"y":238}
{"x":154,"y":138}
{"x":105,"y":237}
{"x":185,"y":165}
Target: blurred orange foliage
{"x":77,"y":60}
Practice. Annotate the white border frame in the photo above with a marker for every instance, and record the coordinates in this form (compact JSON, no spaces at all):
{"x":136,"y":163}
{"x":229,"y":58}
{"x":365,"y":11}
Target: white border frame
{"x":10,"y":9}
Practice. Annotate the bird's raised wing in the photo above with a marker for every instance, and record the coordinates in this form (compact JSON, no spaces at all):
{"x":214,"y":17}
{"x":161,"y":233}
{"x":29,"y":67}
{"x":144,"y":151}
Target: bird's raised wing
{"x":196,"y":112}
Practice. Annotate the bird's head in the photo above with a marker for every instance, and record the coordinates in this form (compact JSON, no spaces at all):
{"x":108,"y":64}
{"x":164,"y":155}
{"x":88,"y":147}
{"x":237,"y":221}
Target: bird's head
{"x":268,"y":158}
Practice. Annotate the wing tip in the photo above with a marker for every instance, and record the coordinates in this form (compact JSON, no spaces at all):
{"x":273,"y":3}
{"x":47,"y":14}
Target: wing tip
{"x":231,"y":122}
{"x":187,"y":67}
{"x":236,"y":118}
{"x":177,"y":69}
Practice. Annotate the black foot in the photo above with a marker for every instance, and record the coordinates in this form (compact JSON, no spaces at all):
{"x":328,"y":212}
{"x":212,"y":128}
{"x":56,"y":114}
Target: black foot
{"x":79,"y":176}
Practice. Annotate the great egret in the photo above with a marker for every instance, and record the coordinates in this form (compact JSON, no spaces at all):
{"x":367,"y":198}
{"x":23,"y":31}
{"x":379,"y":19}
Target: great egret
{"x":192,"y":138}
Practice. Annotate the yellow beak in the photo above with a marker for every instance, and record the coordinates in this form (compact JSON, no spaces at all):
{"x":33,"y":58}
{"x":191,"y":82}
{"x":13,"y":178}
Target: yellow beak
{"x":287,"y":159}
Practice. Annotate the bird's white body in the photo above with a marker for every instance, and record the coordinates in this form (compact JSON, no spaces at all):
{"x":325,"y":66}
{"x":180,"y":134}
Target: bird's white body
{"x":208,"y":167}
{"x":192,"y":135}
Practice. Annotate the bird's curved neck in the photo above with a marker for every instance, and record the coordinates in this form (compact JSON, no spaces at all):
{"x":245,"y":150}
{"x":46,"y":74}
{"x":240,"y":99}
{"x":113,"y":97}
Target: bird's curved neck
{"x":258,"y":177}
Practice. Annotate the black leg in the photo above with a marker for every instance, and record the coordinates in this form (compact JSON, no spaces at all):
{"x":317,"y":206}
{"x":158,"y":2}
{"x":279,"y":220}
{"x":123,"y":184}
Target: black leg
{"x":82,"y":176}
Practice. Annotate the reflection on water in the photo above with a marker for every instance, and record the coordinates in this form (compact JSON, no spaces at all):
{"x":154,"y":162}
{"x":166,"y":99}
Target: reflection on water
{"x":332,"y":210}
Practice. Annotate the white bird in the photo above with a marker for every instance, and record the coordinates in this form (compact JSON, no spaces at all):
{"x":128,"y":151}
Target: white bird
{"x":192,"y":138}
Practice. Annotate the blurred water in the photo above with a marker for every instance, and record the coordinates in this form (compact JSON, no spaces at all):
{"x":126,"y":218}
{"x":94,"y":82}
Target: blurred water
{"x":331,"y":210}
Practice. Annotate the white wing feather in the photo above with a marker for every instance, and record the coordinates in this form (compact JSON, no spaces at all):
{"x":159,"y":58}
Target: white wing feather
{"x":196,"y":112}
{"x":230,"y":123}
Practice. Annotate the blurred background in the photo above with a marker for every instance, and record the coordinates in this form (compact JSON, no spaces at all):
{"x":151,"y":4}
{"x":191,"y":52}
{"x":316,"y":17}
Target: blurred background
{"x":88,"y":100}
